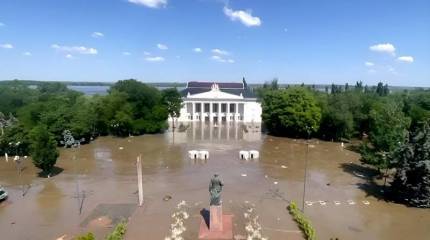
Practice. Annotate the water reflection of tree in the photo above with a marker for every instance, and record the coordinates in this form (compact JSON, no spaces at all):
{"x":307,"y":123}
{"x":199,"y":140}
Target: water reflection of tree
{"x":49,"y":200}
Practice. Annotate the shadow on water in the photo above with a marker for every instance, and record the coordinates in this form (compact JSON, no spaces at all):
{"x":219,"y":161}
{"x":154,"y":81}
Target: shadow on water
{"x":55,"y":171}
{"x":206,"y":216}
{"x":360,"y":171}
{"x":371,"y":187}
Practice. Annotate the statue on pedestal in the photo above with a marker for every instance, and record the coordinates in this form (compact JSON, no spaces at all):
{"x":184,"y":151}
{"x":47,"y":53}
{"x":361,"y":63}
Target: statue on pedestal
{"x":216,"y":225}
{"x":215,"y":188}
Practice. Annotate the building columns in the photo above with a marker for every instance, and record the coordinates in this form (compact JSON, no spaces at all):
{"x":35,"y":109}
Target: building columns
{"x":211,"y":112}
{"x":193,"y":111}
{"x":202,"y":111}
{"x":228,"y":112}
{"x":236,"y":112}
{"x":219,"y":112}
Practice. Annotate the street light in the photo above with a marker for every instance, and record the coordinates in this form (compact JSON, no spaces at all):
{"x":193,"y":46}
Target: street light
{"x":308,"y":130}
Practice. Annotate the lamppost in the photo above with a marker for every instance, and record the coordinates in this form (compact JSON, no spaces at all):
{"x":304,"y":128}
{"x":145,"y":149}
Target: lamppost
{"x":17,"y":160}
{"x":308,"y":131}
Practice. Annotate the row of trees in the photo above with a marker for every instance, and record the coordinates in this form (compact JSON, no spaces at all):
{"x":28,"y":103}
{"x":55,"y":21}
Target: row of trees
{"x":388,"y":124}
{"x":33,"y":120}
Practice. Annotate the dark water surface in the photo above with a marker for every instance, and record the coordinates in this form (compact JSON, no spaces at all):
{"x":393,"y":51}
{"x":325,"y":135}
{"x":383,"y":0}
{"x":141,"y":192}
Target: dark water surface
{"x":340,"y":202}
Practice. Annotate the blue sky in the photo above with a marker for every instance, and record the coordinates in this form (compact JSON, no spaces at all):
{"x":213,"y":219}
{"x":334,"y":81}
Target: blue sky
{"x":180,"y":40}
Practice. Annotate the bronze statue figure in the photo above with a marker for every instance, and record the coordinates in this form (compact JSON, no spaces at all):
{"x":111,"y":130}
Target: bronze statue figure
{"x":215,"y":188}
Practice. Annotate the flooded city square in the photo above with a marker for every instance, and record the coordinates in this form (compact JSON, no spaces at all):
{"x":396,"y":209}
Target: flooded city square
{"x":96,"y":187}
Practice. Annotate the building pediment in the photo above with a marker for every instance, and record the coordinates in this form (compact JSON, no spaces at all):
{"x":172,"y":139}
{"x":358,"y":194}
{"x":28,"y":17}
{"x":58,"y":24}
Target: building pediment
{"x":215,"y":93}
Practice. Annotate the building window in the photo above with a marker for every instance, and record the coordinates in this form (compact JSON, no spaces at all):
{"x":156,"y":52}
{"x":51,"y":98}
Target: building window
{"x":223,"y":107}
{"x":232,"y":105}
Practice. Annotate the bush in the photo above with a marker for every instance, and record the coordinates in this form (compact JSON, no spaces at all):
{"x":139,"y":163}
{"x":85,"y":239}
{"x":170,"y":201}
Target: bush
{"x":302,"y":221}
{"x":88,"y":236}
{"x":118,"y":233}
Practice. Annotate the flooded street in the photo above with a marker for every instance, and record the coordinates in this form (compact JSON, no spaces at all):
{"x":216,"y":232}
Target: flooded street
{"x":96,"y":187}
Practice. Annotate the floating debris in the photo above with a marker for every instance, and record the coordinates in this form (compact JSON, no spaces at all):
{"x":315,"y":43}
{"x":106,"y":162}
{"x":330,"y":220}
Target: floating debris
{"x":253,"y":227}
{"x":365,"y":202}
{"x":62,"y":237}
{"x":167,"y":198}
{"x":336,"y":203}
{"x":121,"y":148}
{"x":283,"y":166}
{"x":358,"y":174}
{"x":275,"y":183}
{"x":309,"y":203}
{"x":350,"y":202}
{"x":322,"y":203}
{"x":243,"y":175}
{"x":177,"y":228}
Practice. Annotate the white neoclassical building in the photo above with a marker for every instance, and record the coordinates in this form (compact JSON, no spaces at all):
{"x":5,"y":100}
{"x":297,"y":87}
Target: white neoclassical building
{"x":219,"y":102}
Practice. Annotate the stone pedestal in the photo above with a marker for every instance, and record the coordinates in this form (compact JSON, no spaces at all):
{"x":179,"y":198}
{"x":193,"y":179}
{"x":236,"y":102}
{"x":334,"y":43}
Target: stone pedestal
{"x":220,"y":226}
{"x":215,"y":222}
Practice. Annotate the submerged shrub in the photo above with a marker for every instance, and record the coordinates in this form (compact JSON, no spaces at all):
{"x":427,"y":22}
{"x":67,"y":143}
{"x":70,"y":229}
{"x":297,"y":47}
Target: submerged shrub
{"x":88,"y":236}
{"x":302,"y":221}
{"x":119,"y":232}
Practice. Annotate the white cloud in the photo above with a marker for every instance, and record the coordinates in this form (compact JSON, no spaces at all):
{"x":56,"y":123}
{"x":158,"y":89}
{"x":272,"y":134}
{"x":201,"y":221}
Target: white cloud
{"x":97,"y":35}
{"x":26,"y":53}
{"x":408,"y":59}
{"x":126,"y":53}
{"x":75,"y":49}
{"x":150,"y":3}
{"x":369,"y":64}
{"x":220,"y":52}
{"x":69,"y":56}
{"x":2,"y":24}
{"x":285,"y":29}
{"x":154,"y":59}
{"x":6,"y":46}
{"x":197,"y":50}
{"x":244,"y":17}
{"x":384,"y":48}
{"x":221,"y":59}
{"x":146,"y":53}
{"x":162,"y":46}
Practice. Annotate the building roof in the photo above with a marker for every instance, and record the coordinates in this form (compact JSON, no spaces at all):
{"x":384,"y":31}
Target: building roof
{"x":227,"y":87}
{"x":221,"y":85}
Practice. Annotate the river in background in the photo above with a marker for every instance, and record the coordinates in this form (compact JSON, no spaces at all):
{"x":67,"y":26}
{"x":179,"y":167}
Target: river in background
{"x":103,"y":90}
{"x":96,"y":187}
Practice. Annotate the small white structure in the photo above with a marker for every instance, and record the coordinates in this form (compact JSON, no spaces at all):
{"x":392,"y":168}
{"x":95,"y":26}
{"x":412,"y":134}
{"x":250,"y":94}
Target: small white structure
{"x":244,"y":155}
{"x":253,"y":154}
{"x":193,"y":154}
{"x":6,"y":157}
{"x":203,"y":154}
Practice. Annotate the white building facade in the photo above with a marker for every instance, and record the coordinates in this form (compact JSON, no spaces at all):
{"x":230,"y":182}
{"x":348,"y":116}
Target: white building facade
{"x":219,"y":102}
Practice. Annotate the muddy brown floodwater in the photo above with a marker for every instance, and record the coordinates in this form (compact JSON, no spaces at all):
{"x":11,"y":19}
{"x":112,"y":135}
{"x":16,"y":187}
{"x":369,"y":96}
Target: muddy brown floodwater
{"x":98,"y":188}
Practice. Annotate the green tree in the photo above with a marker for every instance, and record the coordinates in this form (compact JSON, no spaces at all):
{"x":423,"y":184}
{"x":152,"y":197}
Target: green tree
{"x":43,"y":148}
{"x":388,"y":126}
{"x":292,"y":111}
{"x":337,"y":119}
{"x":412,"y":179}
{"x":173,"y":101}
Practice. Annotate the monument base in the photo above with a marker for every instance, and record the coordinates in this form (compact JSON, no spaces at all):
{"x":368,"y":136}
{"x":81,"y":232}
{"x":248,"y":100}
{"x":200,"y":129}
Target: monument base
{"x":221,"y":226}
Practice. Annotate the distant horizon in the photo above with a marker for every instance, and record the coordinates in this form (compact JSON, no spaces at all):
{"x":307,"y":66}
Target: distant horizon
{"x":322,"y":42}
{"x":184,"y":82}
